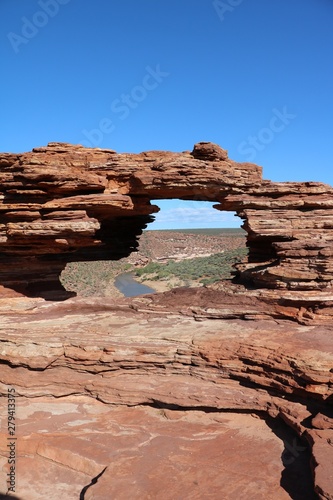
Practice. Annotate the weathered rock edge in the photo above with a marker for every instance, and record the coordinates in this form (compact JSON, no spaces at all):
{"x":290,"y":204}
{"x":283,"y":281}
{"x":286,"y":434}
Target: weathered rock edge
{"x":145,"y":351}
{"x":227,"y":349}
{"x":64,"y":203}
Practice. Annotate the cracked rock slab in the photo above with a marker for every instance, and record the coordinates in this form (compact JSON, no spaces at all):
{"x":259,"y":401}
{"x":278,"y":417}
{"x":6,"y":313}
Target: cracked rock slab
{"x":146,"y":452}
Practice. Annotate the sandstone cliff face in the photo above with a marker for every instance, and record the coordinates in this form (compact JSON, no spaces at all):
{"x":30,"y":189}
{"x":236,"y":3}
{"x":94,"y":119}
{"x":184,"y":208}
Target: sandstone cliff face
{"x":64,"y":203}
{"x":219,"y":393}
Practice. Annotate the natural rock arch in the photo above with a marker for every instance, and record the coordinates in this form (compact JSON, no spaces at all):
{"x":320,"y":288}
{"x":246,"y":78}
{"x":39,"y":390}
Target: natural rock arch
{"x":65,"y":203}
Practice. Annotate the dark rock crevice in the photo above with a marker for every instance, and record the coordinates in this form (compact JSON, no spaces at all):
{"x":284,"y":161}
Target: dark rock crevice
{"x":93,"y":481}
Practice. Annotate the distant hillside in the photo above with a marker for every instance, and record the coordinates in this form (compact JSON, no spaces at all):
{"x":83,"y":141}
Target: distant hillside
{"x":181,"y":257}
{"x":215,"y":231}
{"x":162,"y":246}
{"x":196,"y":271}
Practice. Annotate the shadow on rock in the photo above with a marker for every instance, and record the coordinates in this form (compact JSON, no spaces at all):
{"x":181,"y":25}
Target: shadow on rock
{"x":9,"y":497}
{"x":297,"y":477}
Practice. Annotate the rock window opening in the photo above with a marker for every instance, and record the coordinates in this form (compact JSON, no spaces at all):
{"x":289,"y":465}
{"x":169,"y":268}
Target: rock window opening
{"x":189,"y":244}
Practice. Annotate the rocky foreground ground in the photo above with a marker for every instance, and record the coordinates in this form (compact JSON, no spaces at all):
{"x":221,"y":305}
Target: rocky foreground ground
{"x":222,"y":392}
{"x":188,"y":394}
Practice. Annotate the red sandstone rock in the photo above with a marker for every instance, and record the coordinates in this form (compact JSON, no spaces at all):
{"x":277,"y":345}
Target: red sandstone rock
{"x":145,"y":351}
{"x":322,"y":422}
{"x":142,"y":452}
{"x":156,"y":396}
{"x":79,"y":203}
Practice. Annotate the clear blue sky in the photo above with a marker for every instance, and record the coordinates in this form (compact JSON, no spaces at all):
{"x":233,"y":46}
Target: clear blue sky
{"x":254,"y":76}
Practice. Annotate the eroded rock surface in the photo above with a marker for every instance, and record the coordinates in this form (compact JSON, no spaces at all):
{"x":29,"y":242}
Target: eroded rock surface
{"x":76,"y":362}
{"x":64,"y":203}
{"x":220,"y":392}
{"x":145,"y":452}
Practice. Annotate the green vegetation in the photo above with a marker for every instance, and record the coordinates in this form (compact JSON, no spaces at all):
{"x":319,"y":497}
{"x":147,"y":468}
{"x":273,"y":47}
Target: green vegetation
{"x":97,"y":278}
{"x":204,"y":270}
{"x":92,"y":278}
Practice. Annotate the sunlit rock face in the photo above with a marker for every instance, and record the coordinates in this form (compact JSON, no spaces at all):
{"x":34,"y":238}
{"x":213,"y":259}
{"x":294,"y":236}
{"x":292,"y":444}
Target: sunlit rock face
{"x":64,"y":203}
{"x":219,"y":392}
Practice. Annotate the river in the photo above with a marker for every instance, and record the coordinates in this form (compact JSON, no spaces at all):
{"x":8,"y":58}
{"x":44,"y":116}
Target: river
{"x":127,"y":285}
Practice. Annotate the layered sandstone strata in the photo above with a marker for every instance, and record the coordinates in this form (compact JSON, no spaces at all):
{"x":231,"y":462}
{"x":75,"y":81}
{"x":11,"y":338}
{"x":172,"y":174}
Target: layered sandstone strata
{"x":168,"y":395}
{"x":195,"y":393}
{"x":64,"y":203}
